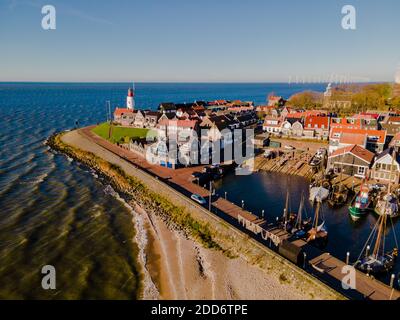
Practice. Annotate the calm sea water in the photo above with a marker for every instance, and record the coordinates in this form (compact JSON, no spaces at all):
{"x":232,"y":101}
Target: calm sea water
{"x":56,"y":212}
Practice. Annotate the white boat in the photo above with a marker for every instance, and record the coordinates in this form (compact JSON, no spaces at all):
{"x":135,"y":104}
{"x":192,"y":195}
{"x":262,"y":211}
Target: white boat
{"x":318,"y":194}
{"x":388,"y":206}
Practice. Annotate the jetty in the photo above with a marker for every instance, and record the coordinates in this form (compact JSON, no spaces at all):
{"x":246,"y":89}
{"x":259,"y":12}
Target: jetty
{"x":291,"y":163}
{"x":367,"y":286}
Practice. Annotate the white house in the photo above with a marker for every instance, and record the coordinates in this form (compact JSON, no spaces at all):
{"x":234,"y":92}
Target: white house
{"x":272,"y":125}
{"x":382,"y":168}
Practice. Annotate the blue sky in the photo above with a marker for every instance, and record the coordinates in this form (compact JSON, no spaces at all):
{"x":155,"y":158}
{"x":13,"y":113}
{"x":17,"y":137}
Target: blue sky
{"x":198,"y":41}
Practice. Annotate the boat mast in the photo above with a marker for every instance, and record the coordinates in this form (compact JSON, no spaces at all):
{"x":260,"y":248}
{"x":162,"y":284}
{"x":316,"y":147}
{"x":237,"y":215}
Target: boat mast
{"x":341,"y":177}
{"x":285,"y":211}
{"x":317,"y":214}
{"x":391,"y":171}
{"x":382,"y":228}
{"x":390,"y":183}
{"x":299,"y":215}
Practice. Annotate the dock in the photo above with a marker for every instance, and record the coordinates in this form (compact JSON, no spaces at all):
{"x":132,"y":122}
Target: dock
{"x":367,"y":286}
{"x":290,"y":163}
{"x":325,"y":265}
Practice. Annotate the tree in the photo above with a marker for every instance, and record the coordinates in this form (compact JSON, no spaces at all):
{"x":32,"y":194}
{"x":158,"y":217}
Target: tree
{"x":306,"y":100}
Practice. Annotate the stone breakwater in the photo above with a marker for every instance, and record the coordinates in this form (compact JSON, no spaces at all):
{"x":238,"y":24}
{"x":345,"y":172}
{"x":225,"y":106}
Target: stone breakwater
{"x":195,"y":222}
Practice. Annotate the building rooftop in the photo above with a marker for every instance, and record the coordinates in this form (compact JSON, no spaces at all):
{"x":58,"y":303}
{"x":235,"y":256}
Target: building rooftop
{"x":357,"y":151}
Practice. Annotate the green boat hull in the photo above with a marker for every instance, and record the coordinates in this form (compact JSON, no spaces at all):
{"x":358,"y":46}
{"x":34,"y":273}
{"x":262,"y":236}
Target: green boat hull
{"x":356,"y":213}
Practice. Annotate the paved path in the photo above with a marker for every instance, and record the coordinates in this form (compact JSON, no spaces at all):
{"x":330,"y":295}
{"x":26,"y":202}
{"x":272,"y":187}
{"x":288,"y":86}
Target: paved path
{"x":181,"y":177}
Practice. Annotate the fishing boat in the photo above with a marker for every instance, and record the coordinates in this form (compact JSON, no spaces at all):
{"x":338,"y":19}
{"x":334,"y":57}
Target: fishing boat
{"x":338,"y":196}
{"x":388,"y":202}
{"x":288,"y":219}
{"x":301,"y":227}
{"x":319,"y":193}
{"x":379,"y":261}
{"x":318,"y":234}
{"x":317,"y":158}
{"x":361,"y":204}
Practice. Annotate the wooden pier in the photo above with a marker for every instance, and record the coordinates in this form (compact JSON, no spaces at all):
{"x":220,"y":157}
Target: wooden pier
{"x":323,"y":263}
{"x":291,"y":163}
{"x":367,"y":286}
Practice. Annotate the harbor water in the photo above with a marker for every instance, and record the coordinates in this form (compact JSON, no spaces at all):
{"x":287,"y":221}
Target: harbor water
{"x":267,"y":191}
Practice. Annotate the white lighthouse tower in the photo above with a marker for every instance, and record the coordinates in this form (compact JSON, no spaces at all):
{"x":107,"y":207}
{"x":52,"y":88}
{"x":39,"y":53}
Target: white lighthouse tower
{"x":130,"y":99}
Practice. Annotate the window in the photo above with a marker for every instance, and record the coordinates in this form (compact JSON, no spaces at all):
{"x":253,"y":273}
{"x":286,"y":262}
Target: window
{"x":361,"y":170}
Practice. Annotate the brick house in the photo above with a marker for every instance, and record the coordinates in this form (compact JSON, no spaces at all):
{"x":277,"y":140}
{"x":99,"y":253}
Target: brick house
{"x":352,"y":160}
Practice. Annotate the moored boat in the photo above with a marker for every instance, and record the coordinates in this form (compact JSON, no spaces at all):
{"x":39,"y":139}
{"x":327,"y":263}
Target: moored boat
{"x":317,"y":159}
{"x":361,"y":204}
{"x":318,"y":234}
{"x":379,"y":261}
{"x":388,"y":202}
{"x":318,"y":194}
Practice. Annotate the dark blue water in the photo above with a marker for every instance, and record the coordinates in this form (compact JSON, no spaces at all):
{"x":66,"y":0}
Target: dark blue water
{"x":56,"y":212}
{"x":267,"y":191}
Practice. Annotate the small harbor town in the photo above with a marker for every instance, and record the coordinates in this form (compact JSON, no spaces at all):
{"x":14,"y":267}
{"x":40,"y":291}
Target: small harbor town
{"x":200,"y":158}
{"x":350,"y":161}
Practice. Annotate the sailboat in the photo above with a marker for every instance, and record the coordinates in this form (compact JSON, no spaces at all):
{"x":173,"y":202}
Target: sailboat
{"x":361,"y":204}
{"x":388,"y":203}
{"x":318,"y":233}
{"x":318,"y":194}
{"x":378,"y":261}
{"x":301,"y":227}
{"x":339,"y":194}
{"x":288,"y":219}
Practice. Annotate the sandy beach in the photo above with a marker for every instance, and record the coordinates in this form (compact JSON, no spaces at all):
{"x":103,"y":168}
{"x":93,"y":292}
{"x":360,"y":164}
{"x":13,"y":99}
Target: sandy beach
{"x":181,"y":269}
{"x":185,"y":270}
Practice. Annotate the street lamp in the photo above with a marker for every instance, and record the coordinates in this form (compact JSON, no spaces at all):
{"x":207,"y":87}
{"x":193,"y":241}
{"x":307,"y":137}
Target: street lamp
{"x":243,"y":204}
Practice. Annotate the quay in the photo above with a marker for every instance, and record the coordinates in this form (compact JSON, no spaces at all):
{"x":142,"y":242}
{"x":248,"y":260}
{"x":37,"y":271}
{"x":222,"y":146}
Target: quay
{"x":367,"y":286}
{"x":316,"y":263}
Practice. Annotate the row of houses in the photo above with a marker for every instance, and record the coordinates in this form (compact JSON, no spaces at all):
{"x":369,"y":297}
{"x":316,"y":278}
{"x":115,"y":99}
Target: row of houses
{"x":361,"y":145}
{"x":178,"y":124}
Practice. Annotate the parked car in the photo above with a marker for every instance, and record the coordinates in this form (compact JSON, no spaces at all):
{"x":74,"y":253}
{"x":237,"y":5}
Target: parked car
{"x":289,"y":147}
{"x":198,"y":199}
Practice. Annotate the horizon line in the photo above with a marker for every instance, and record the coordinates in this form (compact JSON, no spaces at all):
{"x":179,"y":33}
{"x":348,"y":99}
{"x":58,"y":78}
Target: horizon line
{"x":202,"y":82}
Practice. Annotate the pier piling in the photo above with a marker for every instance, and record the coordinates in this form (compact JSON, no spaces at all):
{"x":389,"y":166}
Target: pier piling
{"x":392,"y":280}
